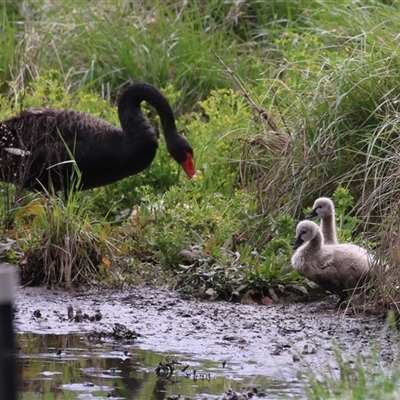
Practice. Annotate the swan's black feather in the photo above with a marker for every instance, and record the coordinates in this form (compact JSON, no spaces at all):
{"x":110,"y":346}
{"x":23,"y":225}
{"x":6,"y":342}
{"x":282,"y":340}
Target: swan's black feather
{"x":38,"y":147}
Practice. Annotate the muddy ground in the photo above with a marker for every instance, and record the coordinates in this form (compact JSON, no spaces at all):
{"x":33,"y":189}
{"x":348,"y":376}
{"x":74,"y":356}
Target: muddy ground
{"x":274,"y":341}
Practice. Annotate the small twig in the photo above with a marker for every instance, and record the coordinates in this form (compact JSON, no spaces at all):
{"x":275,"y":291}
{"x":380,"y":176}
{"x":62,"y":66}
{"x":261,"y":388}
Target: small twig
{"x":263,"y":114}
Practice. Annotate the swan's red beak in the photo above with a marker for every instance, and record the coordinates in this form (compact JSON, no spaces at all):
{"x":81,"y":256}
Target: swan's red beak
{"x":188,"y":166}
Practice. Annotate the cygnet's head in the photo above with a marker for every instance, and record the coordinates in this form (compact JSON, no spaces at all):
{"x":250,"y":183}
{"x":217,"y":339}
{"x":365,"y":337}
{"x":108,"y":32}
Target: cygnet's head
{"x":305,"y":231}
{"x":322,"y":208}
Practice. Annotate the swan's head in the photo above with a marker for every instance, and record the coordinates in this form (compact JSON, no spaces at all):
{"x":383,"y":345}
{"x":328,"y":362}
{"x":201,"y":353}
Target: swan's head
{"x":305,"y":231}
{"x":322,"y":208}
{"x":182,"y":152}
{"x":188,"y":165}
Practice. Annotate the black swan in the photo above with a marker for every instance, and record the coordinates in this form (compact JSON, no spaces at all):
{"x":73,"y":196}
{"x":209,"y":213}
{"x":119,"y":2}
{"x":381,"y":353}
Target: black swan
{"x":38,"y":147}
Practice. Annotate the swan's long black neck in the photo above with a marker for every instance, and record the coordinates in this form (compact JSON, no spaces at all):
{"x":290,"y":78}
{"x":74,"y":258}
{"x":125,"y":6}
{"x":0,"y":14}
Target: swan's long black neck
{"x":130,"y":113}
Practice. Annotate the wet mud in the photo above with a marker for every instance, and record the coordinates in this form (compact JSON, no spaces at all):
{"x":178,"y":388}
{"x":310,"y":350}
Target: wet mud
{"x":280,"y":341}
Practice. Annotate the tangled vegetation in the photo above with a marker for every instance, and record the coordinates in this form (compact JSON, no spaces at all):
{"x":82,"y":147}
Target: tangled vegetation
{"x":283,"y":101}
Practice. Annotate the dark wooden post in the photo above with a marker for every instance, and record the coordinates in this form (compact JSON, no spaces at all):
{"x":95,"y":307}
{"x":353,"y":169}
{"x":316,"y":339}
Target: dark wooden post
{"x":8,"y":373}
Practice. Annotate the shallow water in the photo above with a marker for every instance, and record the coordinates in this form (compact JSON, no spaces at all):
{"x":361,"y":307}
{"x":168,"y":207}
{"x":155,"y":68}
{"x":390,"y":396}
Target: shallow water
{"x":68,"y":367}
{"x":263,"y":347}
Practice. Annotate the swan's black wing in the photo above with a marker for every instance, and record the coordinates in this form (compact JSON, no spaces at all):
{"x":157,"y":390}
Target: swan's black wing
{"x":38,"y":146}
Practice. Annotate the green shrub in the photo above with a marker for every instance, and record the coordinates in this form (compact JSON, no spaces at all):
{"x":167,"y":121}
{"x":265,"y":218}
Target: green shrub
{"x":302,"y":100}
{"x":60,"y":243}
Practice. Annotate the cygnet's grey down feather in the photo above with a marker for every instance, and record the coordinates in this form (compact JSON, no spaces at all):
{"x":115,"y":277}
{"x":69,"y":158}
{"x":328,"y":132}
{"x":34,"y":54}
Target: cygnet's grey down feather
{"x":324,"y":208}
{"x":338,"y":268}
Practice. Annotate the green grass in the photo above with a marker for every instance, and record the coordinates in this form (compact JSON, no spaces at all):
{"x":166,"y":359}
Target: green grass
{"x":365,"y":377}
{"x":283,"y":101}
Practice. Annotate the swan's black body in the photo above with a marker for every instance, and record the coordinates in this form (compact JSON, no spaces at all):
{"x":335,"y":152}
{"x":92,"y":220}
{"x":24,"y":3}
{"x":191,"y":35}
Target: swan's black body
{"x":37,"y":147}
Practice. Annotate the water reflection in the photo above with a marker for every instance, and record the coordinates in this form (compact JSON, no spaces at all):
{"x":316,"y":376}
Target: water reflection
{"x":69,"y":367}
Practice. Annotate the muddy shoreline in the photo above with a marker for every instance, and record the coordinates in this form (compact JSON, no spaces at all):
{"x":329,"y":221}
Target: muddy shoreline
{"x":274,"y":341}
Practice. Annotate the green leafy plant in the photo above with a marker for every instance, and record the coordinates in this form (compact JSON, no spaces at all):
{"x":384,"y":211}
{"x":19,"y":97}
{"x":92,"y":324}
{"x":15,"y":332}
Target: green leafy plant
{"x":60,"y":241}
{"x":302,"y":99}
